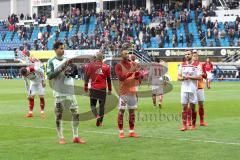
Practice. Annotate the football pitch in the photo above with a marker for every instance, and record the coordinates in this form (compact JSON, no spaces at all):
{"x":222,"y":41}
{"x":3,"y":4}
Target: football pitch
{"x":160,"y":139}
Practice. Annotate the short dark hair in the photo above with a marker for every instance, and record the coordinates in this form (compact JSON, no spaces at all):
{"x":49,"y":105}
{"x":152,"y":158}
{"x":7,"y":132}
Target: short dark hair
{"x":57,"y":44}
{"x":23,"y":71}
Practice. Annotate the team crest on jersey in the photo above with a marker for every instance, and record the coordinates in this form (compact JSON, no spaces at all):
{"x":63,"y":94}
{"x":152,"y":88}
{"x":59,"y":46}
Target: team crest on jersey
{"x":99,"y":71}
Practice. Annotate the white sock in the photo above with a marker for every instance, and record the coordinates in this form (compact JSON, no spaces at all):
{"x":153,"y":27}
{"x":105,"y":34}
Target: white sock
{"x":60,"y":131}
{"x":131,"y":131}
{"x":120,"y":131}
{"x":75,"y":128}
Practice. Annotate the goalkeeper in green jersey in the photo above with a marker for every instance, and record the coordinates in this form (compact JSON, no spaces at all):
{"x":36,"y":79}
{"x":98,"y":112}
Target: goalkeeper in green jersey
{"x":60,"y":72}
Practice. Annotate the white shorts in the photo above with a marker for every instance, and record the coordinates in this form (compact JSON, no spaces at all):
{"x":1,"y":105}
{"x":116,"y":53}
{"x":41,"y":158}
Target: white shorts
{"x":36,"y":88}
{"x":157,"y":91}
{"x":127,"y":102}
{"x":200,"y":95}
{"x":69,"y":101}
{"x":209,"y":75}
{"x":188,"y":97}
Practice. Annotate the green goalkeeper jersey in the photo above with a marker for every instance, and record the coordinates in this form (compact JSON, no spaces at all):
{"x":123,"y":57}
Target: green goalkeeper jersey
{"x":61,"y":84}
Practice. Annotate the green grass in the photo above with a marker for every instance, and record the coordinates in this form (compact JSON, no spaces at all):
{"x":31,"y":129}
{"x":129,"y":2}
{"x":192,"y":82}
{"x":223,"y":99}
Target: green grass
{"x":24,"y":139}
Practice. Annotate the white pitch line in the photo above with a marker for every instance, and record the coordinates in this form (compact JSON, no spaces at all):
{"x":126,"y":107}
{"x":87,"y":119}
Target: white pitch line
{"x":165,"y":138}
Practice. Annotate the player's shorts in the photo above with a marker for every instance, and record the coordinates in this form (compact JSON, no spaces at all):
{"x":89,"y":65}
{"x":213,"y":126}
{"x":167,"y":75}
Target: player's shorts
{"x":200,"y":95}
{"x":188,"y":97}
{"x":69,"y":101}
{"x":36,"y":88}
{"x":209,"y":75}
{"x":157,"y":91}
{"x":127,"y":102}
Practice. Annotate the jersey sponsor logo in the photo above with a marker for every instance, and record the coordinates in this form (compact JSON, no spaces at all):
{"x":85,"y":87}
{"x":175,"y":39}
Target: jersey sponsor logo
{"x":99,"y":71}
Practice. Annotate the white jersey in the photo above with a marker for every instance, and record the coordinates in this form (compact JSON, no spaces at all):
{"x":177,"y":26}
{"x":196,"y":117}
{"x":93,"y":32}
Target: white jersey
{"x":185,"y":70}
{"x":35,"y":76}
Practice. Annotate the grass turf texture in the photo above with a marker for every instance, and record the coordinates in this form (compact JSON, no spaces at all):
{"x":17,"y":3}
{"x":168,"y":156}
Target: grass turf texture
{"x":23,"y":138}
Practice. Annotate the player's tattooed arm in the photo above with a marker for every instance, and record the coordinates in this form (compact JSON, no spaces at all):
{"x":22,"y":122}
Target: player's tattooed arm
{"x":51,"y":73}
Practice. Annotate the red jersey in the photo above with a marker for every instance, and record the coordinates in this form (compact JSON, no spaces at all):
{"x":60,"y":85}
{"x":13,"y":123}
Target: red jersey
{"x":200,"y":82}
{"x":99,"y":73}
{"x":86,"y":66}
{"x":125,"y":72}
{"x":208,"y":67}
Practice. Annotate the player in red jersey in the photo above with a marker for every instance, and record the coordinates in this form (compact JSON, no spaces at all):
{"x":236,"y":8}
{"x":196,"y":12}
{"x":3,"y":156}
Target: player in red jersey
{"x":37,"y":85}
{"x":99,"y":73}
{"x":200,"y":90}
{"x":128,"y":75}
{"x":207,"y":69}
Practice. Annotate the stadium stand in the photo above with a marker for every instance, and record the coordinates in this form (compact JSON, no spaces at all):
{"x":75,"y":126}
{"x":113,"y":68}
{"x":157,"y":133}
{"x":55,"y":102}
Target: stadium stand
{"x":179,"y":27}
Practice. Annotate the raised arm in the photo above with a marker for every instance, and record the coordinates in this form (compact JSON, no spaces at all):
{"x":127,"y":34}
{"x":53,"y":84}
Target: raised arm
{"x":51,"y":73}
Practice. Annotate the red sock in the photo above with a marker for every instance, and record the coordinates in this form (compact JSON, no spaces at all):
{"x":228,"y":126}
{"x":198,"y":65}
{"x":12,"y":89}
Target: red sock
{"x":189,"y":115}
{"x":194,"y":117}
{"x":201,"y":113}
{"x":184,"y":117}
{"x":31,"y":104}
{"x":120,"y":120}
{"x":154,"y":99}
{"x":42,"y":104}
{"x":131,"y":120}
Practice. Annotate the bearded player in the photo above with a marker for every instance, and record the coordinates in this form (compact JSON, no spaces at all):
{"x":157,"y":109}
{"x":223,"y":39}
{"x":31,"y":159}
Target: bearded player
{"x":61,"y":75}
{"x":36,"y":77}
{"x":189,"y":75}
{"x":99,"y":73}
{"x":207,"y":69}
{"x":200,"y":90}
{"x":128,"y":76}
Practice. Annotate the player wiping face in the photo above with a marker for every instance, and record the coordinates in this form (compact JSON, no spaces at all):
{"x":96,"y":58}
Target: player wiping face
{"x":35,"y":75}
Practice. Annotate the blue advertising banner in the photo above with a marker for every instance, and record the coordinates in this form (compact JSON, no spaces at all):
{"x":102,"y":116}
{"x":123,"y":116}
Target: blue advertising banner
{"x":7,"y":55}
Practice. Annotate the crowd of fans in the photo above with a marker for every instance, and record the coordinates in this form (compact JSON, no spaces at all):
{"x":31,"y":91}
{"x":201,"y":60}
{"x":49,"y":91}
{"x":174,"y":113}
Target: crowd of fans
{"x":125,"y":24}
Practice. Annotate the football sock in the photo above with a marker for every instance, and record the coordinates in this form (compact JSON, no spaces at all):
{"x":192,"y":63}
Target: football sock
{"x":42,"y":104}
{"x":120,"y":120}
{"x":184,"y":117}
{"x":31,"y":104}
{"x":189,"y":115}
{"x":194,"y":117}
{"x":75,"y":124}
{"x":131,"y":120}
{"x":201,"y":113}
{"x":154,"y":99}
{"x":59,"y":128}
